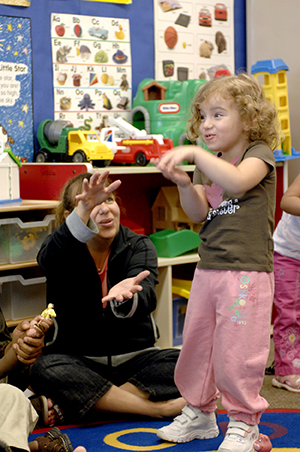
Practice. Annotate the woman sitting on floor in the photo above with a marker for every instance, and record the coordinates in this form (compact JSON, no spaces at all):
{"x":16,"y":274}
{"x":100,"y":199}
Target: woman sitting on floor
{"x":101,"y":278}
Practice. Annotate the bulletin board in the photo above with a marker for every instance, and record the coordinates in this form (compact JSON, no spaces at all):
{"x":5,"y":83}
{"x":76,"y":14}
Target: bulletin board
{"x":141,"y":20}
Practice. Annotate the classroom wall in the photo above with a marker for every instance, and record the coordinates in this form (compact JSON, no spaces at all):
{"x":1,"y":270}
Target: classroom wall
{"x":273,"y":32}
{"x":140,"y":14}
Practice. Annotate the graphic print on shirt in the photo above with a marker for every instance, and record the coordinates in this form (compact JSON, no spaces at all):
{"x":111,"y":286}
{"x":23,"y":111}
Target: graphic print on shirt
{"x":227,"y":207}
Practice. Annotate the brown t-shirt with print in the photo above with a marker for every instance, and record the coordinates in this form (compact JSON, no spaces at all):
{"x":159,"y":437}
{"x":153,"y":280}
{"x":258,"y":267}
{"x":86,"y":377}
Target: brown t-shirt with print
{"x":237,"y":233}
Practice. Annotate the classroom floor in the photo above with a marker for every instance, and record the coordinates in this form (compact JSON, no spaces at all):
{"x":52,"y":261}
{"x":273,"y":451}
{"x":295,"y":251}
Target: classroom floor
{"x":277,"y":398}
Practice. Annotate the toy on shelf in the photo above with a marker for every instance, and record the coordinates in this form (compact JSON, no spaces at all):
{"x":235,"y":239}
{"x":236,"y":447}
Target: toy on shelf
{"x":9,"y":176}
{"x":275,"y":88}
{"x":163,"y":107}
{"x":59,"y":141}
{"x":134,"y":145}
{"x":167,"y":212}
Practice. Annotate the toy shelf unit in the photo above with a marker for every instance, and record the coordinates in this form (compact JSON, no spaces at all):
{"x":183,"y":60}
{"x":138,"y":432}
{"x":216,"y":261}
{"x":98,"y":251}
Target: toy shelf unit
{"x":164,"y":312}
{"x":23,"y":228}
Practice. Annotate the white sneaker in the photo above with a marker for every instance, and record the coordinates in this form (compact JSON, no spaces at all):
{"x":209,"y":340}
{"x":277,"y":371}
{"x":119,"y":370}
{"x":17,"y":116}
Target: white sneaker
{"x":239,"y":437}
{"x":191,"y":424}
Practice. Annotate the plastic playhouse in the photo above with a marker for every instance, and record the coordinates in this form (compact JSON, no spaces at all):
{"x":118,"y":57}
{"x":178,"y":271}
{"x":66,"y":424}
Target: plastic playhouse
{"x":164,"y":107}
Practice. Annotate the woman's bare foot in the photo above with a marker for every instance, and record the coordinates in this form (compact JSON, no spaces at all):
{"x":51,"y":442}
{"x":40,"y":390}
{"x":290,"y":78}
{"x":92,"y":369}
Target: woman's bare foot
{"x":170,"y":408}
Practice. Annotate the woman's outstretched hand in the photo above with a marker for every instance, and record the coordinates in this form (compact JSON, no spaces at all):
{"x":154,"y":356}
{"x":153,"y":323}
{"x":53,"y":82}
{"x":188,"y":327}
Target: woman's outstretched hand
{"x":94,"y":191}
{"x":125,"y":289}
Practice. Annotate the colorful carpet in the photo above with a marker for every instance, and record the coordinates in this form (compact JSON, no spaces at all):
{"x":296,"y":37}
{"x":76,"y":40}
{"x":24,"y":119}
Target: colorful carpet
{"x":282,"y":427}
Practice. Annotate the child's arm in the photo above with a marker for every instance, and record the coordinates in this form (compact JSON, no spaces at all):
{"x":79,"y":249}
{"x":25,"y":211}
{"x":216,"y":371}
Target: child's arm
{"x":29,"y":345}
{"x":26,"y":345}
{"x":233,"y":179}
{"x":290,"y":201}
{"x":192,"y":197}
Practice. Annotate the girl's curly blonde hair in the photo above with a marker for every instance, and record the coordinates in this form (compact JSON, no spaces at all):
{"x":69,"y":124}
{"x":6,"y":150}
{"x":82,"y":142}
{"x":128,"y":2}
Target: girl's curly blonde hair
{"x":255,"y":110}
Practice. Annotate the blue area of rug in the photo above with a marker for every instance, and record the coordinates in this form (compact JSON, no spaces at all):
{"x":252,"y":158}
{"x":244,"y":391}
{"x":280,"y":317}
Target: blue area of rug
{"x":283,"y":428}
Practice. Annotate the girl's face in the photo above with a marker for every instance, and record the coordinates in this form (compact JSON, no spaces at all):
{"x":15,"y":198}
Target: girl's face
{"x":107,"y":218}
{"x":221,"y":127}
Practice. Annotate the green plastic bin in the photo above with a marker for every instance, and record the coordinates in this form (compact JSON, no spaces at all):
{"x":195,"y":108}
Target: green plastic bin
{"x":170,"y":243}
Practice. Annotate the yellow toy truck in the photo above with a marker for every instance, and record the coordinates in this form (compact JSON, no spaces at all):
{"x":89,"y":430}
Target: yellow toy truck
{"x":60,"y":141}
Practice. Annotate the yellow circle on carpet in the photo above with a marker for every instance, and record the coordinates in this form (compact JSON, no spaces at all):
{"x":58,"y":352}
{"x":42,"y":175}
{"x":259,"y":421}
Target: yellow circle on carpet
{"x":112,"y":440}
{"x":285,"y":449}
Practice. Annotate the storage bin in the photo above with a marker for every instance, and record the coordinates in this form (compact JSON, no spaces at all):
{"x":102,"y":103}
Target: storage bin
{"x":179,"y":311}
{"x":170,"y":243}
{"x":20,"y":242}
{"x":179,"y":287}
{"x":22,"y":298}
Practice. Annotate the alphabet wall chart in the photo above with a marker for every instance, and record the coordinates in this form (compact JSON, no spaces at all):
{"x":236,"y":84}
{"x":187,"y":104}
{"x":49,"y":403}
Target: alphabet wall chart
{"x":193,"y":39}
{"x":91,"y":69}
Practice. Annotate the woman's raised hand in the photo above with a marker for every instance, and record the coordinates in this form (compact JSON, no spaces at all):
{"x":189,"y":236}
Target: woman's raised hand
{"x":95,"y":192}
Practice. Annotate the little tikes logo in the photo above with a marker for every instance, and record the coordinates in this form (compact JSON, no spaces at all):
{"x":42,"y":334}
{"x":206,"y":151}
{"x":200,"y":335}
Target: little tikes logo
{"x":169,"y":107}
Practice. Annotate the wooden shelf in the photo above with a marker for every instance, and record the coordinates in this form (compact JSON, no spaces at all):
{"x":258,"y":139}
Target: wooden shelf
{"x":28,"y":204}
{"x":26,"y":264}
{"x":184,"y":259}
{"x":138,"y":169}
{"x":164,"y":311}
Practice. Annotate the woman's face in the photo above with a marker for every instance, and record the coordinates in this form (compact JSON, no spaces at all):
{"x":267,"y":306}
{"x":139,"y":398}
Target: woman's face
{"x":107,"y":218}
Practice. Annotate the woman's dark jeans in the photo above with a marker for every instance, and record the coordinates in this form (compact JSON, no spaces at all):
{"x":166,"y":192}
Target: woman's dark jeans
{"x":76,"y":383}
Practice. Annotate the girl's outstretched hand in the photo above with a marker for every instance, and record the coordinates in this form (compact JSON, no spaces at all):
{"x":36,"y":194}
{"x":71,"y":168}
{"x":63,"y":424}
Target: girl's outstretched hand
{"x":94,"y":191}
{"x":126,"y":288}
{"x":167,"y":164}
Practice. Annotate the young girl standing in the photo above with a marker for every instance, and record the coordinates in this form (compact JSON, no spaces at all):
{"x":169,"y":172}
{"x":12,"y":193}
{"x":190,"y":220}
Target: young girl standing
{"x":286,"y":332}
{"x":227,"y":327}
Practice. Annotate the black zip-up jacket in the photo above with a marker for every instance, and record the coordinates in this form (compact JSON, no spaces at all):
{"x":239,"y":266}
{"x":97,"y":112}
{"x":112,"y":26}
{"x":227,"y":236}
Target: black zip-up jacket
{"x":74,"y":287}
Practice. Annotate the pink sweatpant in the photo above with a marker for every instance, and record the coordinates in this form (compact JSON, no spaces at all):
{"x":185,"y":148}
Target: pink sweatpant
{"x":226,"y":340}
{"x":286,"y":332}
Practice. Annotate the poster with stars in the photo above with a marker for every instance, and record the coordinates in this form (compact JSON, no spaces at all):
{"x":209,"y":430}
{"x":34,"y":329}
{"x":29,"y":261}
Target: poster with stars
{"x":16,"y":109}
